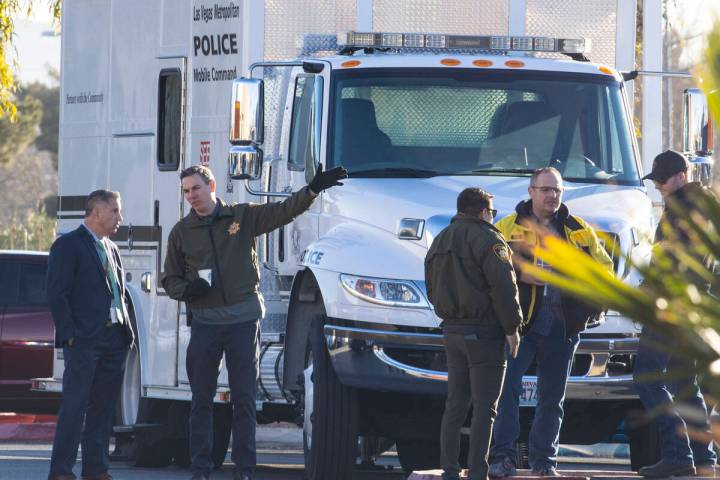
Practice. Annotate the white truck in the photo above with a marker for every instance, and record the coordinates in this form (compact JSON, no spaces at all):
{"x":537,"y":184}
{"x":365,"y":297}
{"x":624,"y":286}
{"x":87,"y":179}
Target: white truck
{"x":350,"y":347}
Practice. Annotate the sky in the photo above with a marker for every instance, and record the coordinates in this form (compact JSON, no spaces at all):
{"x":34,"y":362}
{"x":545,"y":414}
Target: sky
{"x":37,"y":45}
{"x":694,"y":18}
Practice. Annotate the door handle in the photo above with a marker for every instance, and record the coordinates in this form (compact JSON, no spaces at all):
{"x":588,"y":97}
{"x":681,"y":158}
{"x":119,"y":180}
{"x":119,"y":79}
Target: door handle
{"x":130,"y":237}
{"x":146,"y":282}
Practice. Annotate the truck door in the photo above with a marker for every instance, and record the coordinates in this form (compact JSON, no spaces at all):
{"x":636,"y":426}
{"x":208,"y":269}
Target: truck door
{"x":303,"y":154}
{"x":293,"y":107}
{"x":168,"y":207}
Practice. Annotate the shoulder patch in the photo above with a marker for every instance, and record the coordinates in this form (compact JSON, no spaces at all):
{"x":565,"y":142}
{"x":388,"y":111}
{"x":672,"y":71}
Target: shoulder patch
{"x":502,"y":252}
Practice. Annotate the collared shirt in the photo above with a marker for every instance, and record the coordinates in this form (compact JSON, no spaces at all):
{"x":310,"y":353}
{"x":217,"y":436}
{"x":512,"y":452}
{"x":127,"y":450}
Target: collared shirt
{"x":550,"y":311}
{"x":211,"y":216}
{"x":115,"y":314}
{"x":91,"y":232}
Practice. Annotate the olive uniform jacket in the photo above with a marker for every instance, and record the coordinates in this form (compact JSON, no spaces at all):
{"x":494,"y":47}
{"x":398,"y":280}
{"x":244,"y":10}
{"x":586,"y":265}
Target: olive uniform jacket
{"x":470,"y":278}
{"x":227,"y":246}
{"x":522,"y":238}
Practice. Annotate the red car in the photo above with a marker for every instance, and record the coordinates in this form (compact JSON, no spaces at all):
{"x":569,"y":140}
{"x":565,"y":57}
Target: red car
{"x":26,"y":332}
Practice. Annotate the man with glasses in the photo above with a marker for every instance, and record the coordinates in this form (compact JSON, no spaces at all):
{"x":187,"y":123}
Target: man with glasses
{"x":553,"y":323}
{"x":663,"y":379}
{"x":471,"y":283}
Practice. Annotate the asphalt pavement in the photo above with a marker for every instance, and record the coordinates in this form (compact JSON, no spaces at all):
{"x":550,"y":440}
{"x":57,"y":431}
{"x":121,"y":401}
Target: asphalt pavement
{"x":29,"y":461}
{"x":25,"y":454}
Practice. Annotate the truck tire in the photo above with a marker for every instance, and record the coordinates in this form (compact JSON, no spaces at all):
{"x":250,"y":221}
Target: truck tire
{"x":148,"y":448}
{"x":522,"y":448}
{"x":330,"y":440}
{"x":418,"y":454}
{"x":644,"y":445}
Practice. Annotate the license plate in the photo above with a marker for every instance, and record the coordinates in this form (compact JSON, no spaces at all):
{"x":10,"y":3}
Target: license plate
{"x":528,"y":395}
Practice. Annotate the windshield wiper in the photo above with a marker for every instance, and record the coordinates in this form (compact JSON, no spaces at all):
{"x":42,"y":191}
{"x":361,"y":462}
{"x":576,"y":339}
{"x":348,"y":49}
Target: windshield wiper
{"x":395,"y":172}
{"x":504,"y":170}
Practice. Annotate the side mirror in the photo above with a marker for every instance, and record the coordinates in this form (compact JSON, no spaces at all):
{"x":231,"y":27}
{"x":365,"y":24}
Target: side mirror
{"x":245,"y":162}
{"x":698,"y":127}
{"x":246,"y":115}
{"x":698,"y":136}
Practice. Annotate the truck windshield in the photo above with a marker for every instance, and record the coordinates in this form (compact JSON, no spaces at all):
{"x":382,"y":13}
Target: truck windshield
{"x":426,"y":122}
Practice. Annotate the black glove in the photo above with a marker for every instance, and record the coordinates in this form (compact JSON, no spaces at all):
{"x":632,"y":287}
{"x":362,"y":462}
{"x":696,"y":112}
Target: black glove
{"x":325,"y":180}
{"x":196,"y":288}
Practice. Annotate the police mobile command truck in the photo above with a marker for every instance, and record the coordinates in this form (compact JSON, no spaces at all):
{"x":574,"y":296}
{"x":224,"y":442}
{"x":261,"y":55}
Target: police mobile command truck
{"x":350,"y":347}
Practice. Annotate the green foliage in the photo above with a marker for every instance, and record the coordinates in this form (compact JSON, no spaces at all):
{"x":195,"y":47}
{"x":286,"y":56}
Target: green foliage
{"x":36,"y":232}
{"x":673,"y":297}
{"x":49,"y":96}
{"x":16,"y":135}
{"x":8,"y":84}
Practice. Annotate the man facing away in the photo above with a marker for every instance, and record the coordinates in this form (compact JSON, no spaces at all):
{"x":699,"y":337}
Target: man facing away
{"x":471,"y":283}
{"x":86,"y":295}
{"x":551,"y":336}
{"x":662,"y":378}
{"x":216,"y":241}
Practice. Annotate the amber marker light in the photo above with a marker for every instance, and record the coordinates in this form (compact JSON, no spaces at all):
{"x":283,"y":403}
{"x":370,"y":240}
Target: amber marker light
{"x":350,"y":63}
{"x":482,"y":63}
{"x":514,"y":64}
{"x":236,"y":121}
{"x":606,"y":70}
{"x":450,"y":62}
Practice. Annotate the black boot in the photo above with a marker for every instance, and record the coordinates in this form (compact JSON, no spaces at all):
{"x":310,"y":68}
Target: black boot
{"x":666,"y":469}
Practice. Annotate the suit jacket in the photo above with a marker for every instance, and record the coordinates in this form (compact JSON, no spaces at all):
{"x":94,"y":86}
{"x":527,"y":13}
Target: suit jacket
{"x":79,"y":293}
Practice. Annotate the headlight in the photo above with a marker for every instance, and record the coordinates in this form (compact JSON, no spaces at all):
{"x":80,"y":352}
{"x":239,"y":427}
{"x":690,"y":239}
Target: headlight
{"x":393,"y":293}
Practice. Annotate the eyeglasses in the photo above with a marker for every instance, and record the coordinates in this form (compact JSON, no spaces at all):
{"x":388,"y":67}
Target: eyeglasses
{"x":492,"y":211}
{"x":546,"y":190}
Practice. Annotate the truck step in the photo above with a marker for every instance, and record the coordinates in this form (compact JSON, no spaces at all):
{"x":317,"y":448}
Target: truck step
{"x":129,"y":439}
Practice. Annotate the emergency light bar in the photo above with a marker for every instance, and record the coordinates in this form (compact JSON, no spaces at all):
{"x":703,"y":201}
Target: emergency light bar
{"x":568,"y":46}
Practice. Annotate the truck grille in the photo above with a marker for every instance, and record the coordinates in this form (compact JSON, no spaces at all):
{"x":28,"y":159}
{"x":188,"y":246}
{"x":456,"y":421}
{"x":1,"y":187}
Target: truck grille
{"x":435,"y":359}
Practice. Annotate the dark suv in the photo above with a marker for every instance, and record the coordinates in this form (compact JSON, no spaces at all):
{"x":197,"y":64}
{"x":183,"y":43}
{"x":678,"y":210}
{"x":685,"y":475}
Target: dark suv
{"x":26,"y":332}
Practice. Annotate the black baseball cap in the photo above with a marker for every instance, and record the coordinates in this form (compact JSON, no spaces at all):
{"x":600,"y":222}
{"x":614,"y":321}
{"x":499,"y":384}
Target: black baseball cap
{"x":667,"y":164}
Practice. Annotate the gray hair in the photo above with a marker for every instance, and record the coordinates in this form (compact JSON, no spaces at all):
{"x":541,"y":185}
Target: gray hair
{"x":99,"y":196}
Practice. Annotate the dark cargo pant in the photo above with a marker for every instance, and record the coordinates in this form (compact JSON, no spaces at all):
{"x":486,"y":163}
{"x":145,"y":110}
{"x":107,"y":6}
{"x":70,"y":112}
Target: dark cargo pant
{"x":239,"y":342}
{"x":476,"y":368}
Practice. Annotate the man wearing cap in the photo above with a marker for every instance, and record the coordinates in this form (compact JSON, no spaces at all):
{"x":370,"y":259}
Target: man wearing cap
{"x":658,"y":390}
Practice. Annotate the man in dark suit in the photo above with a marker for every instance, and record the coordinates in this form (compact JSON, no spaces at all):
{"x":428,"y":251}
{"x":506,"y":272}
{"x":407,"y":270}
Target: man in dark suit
{"x":85,"y":288}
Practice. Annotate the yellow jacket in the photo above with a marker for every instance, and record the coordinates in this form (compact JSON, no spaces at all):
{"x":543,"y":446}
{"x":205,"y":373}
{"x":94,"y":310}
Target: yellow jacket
{"x":522,"y":238}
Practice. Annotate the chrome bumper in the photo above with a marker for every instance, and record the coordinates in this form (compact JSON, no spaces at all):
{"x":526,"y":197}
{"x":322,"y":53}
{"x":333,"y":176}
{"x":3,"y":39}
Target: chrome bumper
{"x":360,"y":359}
